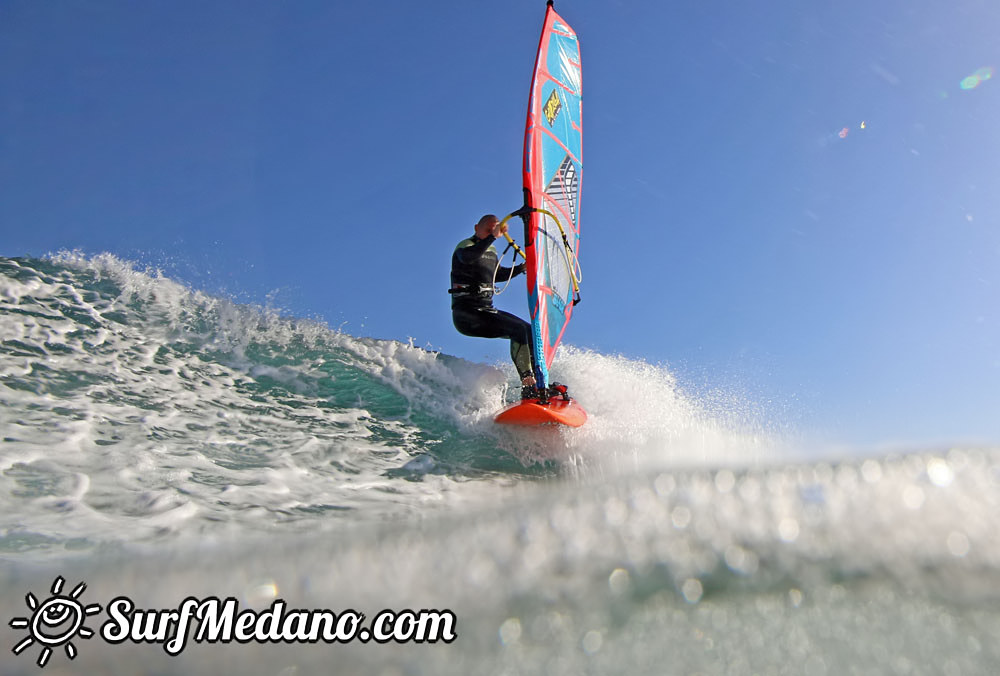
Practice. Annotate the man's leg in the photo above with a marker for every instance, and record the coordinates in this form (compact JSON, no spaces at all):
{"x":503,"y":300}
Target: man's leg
{"x":492,"y":323}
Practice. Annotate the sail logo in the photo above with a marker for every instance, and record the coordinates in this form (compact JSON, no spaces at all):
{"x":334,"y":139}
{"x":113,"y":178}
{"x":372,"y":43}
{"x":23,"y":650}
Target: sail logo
{"x":564,"y":186}
{"x":552,"y":107}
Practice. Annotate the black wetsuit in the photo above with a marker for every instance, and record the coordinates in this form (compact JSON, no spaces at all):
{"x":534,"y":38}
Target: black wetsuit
{"x":472,"y":274}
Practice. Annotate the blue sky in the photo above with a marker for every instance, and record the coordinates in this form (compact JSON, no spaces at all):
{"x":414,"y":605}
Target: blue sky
{"x":739,"y":224}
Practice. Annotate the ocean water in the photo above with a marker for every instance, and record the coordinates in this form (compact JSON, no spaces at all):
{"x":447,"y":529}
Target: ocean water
{"x":160,"y":443}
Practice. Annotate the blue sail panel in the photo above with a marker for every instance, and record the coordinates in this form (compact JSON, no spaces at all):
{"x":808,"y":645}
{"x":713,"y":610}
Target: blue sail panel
{"x":553,"y":168}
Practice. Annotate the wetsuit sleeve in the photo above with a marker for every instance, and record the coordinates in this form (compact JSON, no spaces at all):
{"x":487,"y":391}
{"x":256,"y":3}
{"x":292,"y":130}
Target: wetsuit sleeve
{"x":472,"y":253}
{"x":504,"y":272}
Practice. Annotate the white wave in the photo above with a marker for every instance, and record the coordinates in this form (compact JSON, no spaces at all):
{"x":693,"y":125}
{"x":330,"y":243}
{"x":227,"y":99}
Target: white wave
{"x":148,"y":390}
{"x":192,"y":415}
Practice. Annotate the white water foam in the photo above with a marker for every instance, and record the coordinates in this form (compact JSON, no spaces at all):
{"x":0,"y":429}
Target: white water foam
{"x":137,"y":409}
{"x":135,"y":414}
{"x":640,"y":418}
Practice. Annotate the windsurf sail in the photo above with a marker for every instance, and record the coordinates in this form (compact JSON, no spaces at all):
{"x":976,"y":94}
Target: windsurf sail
{"x":553,"y":168}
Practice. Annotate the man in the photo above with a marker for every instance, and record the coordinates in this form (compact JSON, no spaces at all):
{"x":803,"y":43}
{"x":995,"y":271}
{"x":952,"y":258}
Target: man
{"x":474,"y":266}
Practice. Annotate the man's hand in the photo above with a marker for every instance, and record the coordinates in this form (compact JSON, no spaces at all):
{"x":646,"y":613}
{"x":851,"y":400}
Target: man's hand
{"x":499,"y":229}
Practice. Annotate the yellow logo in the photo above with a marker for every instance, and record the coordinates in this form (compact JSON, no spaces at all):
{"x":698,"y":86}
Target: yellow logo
{"x":552,"y":107}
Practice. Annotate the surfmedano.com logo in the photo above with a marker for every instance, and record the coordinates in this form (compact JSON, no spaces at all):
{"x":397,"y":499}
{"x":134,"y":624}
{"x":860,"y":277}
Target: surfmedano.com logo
{"x":61,"y":618}
{"x":56,"y":622}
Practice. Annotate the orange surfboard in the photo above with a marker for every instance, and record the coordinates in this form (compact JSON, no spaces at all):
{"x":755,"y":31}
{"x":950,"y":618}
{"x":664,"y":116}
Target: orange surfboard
{"x":532,"y":412}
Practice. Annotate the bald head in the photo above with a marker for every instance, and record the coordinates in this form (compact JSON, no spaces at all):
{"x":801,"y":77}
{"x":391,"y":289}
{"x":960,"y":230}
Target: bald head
{"x":485,"y":225}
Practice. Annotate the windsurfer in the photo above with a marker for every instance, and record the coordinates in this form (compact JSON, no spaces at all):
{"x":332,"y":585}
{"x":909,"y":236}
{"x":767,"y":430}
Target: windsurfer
{"x":474,"y":266}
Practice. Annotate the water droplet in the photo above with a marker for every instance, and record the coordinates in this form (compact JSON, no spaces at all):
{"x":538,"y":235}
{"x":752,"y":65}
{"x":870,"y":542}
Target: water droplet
{"x":939,"y":472}
{"x":680,"y":516}
{"x":871,"y":471}
{"x":510,"y":631}
{"x":619,"y":581}
{"x":692,"y":590}
{"x":958,"y":543}
{"x":592,"y":642}
{"x":788,"y":529}
{"x":724,"y":481}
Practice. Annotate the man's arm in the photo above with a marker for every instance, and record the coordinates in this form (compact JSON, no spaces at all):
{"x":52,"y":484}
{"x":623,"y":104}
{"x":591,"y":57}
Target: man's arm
{"x":468,"y":254}
{"x":504,"y":272}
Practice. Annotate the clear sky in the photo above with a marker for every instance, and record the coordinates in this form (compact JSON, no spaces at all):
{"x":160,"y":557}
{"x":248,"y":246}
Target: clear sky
{"x":801,"y":202}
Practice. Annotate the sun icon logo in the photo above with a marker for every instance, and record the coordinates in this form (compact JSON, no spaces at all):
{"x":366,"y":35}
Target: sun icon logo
{"x":55,"y":622}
